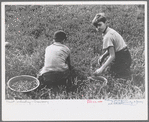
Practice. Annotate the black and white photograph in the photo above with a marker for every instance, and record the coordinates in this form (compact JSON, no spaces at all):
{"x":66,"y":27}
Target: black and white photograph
{"x":84,"y":57}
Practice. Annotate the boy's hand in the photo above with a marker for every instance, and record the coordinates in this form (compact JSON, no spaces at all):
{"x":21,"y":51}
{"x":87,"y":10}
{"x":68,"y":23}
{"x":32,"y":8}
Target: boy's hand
{"x":98,"y":71}
{"x":100,"y":60}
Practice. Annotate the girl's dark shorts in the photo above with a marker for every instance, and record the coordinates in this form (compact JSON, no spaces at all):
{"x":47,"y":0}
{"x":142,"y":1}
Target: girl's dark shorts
{"x":120,"y":67}
{"x":54,"y":78}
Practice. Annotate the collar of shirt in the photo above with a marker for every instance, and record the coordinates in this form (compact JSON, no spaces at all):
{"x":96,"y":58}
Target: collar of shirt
{"x":58,"y":44}
{"x":106,"y":30}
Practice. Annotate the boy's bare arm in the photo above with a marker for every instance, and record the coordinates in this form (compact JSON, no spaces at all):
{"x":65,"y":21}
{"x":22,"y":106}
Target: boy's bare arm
{"x":103,"y":56}
{"x":68,"y":62}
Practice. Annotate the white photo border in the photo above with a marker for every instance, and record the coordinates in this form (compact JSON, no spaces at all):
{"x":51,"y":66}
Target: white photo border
{"x":51,"y":110}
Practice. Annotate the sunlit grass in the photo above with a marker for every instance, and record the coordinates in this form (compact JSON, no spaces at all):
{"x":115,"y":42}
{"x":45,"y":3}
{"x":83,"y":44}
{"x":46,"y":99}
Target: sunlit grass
{"x":26,"y":54}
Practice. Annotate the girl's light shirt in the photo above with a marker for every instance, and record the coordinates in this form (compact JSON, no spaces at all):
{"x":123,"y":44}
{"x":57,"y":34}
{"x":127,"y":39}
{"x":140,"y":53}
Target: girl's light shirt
{"x":55,"y":58}
{"x":113,"y":38}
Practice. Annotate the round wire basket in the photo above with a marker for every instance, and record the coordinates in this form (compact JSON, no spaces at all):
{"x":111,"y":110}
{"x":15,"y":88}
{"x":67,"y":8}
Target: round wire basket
{"x":23,"y":83}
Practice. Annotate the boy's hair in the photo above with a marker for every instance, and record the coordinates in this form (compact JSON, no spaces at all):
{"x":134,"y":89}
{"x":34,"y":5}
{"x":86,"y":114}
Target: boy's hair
{"x":99,"y":18}
{"x":59,"y":36}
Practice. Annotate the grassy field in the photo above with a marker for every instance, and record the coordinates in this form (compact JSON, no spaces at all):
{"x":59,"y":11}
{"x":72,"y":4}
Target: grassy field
{"x":29,"y":30}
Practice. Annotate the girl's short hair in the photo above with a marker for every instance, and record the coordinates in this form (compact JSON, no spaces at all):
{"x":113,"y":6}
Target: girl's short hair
{"x":99,"y":18}
{"x":59,"y":36}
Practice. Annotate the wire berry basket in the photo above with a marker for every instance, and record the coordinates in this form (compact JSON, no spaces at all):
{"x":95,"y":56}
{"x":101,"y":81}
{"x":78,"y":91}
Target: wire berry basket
{"x":23,"y":83}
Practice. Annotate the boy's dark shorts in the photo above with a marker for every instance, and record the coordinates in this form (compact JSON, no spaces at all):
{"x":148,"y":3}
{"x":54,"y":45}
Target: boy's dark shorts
{"x":53,"y":78}
{"x":120,"y":67}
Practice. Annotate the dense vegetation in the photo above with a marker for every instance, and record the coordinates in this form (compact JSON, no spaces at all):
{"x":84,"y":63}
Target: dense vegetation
{"x":29,"y":29}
